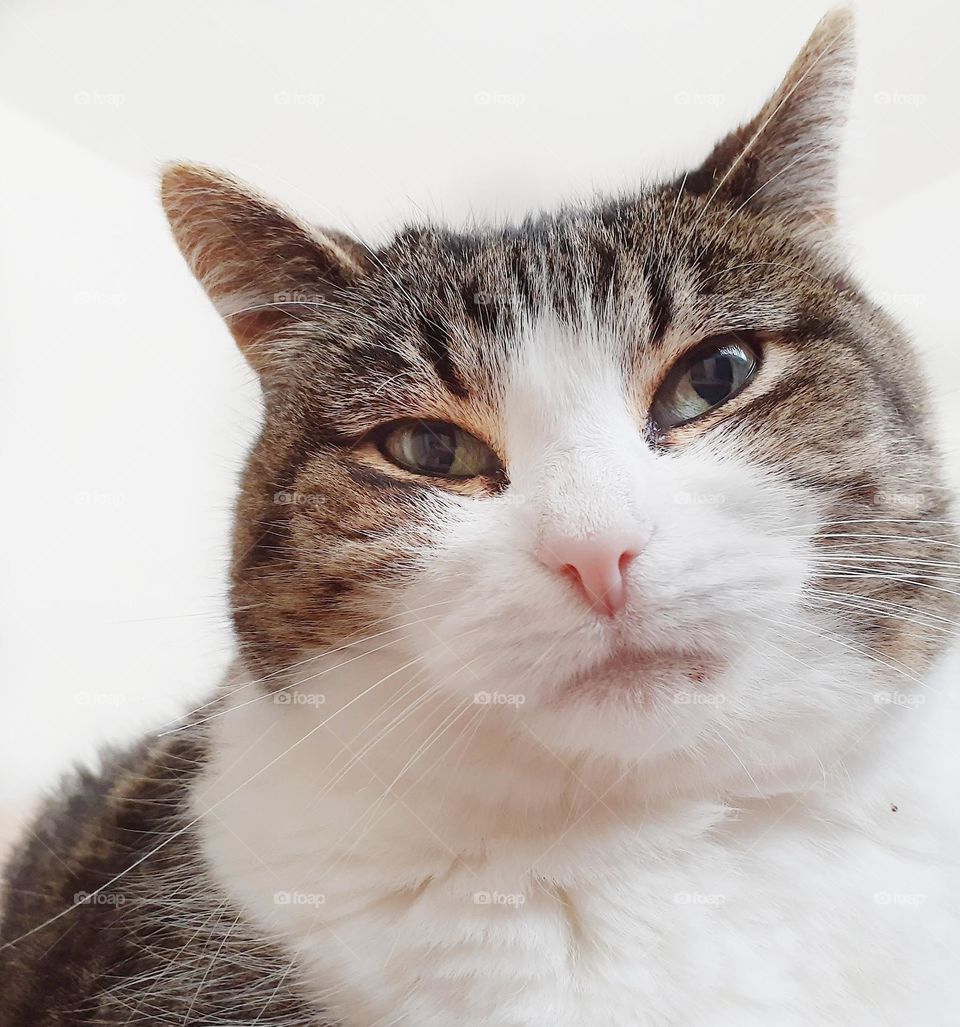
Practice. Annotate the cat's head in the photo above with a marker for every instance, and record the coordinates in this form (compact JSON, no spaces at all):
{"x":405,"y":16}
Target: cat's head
{"x":650,"y":476}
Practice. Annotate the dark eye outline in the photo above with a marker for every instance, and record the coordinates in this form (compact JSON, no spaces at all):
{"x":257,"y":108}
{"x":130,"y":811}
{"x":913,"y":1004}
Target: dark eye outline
{"x":747,"y":341}
{"x":381,"y":434}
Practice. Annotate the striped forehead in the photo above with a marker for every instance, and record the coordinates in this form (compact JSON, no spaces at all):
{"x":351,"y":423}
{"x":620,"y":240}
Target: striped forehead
{"x":558,"y":308}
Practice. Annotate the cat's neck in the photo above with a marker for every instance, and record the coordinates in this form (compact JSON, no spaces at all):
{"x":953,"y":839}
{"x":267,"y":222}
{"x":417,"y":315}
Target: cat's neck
{"x":377,"y":752}
{"x":463,"y":767}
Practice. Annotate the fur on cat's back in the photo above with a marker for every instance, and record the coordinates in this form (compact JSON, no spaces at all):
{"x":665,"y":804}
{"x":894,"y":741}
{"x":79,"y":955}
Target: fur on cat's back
{"x":121,"y":930}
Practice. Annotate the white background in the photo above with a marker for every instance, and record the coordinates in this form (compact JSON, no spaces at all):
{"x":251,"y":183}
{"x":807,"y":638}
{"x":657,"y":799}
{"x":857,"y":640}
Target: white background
{"x":125,"y":409}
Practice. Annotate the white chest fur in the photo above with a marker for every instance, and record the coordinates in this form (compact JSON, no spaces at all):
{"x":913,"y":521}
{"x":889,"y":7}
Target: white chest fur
{"x":447,"y":901}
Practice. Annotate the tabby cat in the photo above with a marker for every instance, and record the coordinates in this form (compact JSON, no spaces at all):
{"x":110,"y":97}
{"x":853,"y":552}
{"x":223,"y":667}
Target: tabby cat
{"x":592,"y":589}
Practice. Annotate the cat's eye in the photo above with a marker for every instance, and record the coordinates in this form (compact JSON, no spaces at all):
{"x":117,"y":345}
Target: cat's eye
{"x":713,"y":373}
{"x":439,"y":449}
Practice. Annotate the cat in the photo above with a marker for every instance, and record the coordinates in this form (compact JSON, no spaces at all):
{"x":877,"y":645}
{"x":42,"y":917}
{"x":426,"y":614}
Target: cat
{"x":592,"y":589}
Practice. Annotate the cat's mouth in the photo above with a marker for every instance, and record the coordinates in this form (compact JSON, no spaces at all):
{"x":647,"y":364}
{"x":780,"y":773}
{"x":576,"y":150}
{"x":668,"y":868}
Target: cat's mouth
{"x":645,"y":672}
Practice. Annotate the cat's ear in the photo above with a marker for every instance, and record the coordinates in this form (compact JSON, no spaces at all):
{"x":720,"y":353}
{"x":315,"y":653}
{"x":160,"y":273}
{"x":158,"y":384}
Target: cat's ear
{"x":261,"y":266}
{"x":785,"y":160}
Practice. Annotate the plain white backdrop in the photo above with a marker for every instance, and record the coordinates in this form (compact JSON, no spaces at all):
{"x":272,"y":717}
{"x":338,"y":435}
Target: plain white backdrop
{"x":126,"y":411}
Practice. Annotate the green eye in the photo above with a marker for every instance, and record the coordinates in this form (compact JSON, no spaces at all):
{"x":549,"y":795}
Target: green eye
{"x":438,"y":449}
{"x":715,"y":372}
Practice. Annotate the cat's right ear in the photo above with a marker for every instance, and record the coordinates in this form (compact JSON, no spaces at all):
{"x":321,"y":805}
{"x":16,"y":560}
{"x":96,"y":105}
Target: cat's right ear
{"x":785,"y":161}
{"x":262,"y":267}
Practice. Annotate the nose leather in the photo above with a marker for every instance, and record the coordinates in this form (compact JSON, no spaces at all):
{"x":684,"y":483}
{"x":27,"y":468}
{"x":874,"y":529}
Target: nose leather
{"x":597,"y":564}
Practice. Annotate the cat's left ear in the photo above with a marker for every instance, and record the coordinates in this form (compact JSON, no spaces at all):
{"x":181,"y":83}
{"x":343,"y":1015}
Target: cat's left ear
{"x":262,"y":267}
{"x":784,"y":161}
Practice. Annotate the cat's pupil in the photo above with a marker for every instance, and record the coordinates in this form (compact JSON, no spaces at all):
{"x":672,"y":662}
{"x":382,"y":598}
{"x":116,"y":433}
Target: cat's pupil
{"x":713,"y":378}
{"x":434,"y":447}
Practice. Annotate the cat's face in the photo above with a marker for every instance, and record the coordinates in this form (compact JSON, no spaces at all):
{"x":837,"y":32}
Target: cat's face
{"x":638,"y":475}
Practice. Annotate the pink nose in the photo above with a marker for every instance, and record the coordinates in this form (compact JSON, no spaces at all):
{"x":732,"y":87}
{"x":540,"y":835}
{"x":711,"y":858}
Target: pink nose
{"x":597,"y":564}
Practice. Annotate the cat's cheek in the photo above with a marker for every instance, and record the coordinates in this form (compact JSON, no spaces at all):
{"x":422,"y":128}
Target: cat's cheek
{"x":488,"y":611}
